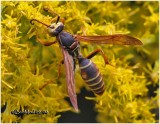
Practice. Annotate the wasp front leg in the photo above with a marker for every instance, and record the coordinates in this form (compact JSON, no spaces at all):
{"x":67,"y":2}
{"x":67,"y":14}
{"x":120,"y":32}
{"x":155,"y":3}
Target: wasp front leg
{"x":44,"y":42}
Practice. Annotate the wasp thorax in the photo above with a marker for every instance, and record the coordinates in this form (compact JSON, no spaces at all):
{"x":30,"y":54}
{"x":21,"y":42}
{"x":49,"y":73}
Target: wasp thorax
{"x":55,"y":28}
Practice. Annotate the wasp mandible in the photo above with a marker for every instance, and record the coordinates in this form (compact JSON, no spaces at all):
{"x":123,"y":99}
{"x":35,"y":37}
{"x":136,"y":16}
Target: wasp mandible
{"x":70,"y":47}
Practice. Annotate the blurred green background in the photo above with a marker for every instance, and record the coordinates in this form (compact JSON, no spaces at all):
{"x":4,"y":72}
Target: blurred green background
{"x":132,"y":86}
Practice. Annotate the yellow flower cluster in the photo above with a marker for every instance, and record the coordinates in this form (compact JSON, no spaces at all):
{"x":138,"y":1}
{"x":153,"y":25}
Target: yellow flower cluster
{"x":27,"y":65}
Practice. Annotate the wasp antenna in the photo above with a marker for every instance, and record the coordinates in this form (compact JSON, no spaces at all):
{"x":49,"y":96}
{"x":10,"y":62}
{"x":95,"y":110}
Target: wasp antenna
{"x":58,"y":19}
{"x":52,"y":12}
{"x":45,"y":9}
{"x":39,"y":22}
{"x":31,"y":21}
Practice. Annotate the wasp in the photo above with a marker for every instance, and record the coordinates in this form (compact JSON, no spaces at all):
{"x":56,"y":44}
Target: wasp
{"x":70,"y":46}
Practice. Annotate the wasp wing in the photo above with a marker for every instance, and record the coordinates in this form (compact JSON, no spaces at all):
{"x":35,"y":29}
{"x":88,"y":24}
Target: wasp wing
{"x":116,"y":39}
{"x":69,"y":68}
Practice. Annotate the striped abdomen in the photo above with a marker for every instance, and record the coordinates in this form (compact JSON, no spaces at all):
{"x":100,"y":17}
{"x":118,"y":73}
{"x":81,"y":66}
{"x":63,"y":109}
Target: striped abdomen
{"x":91,"y":76}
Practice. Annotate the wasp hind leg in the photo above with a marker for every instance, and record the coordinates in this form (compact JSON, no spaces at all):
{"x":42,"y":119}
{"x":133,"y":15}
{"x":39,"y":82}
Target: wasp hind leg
{"x":95,"y":53}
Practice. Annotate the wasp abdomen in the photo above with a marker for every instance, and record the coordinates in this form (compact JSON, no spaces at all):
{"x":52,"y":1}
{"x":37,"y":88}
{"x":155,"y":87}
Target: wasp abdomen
{"x":91,"y":76}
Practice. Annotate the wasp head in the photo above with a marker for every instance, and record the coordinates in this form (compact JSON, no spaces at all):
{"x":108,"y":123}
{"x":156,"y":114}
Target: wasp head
{"x":55,"y":28}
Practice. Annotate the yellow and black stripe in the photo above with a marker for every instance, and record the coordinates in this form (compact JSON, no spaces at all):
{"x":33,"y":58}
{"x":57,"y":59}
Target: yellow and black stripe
{"x":92,"y":76}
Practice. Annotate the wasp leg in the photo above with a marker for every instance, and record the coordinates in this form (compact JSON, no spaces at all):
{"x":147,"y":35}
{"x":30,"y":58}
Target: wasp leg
{"x":59,"y":67}
{"x":44,"y":85}
{"x":96,"y":52}
{"x":45,"y":43}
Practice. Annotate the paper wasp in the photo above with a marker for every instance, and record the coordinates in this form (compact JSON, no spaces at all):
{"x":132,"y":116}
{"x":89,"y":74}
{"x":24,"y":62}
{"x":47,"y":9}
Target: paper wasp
{"x":70,"y":47}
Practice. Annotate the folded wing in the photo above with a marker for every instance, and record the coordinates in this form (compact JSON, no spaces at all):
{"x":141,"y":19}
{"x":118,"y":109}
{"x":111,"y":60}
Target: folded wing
{"x":116,"y":39}
{"x":69,"y":69}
